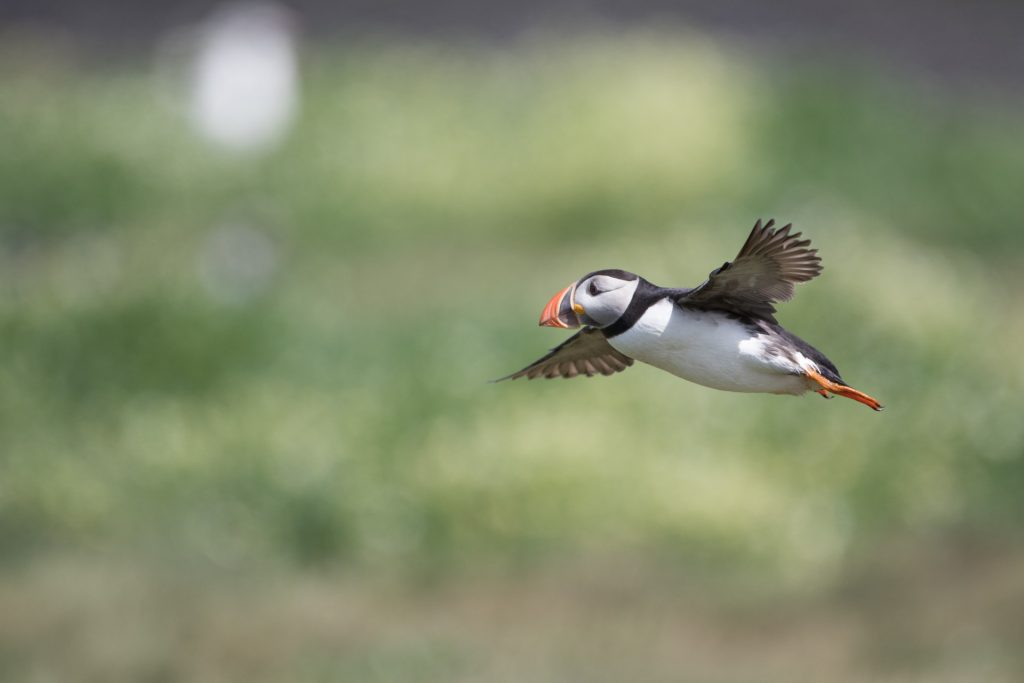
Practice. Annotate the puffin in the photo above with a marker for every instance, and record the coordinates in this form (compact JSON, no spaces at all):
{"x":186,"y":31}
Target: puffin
{"x":721,"y":334}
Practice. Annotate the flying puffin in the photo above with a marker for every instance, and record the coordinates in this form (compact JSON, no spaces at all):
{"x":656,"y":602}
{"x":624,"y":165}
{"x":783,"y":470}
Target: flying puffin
{"x":721,"y":334}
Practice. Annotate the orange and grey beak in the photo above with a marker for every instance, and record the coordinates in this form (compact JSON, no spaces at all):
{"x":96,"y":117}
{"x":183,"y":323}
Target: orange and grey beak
{"x":561,"y":310}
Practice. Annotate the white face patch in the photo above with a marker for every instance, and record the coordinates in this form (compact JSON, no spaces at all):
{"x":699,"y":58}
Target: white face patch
{"x":605,"y":298}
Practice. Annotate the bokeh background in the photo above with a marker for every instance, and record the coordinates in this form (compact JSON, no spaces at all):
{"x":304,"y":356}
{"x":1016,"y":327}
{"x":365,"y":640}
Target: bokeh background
{"x":258,"y":263}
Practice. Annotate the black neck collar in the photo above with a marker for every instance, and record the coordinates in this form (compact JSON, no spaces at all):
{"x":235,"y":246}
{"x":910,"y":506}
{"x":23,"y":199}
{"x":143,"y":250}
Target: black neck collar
{"x":644,"y":297}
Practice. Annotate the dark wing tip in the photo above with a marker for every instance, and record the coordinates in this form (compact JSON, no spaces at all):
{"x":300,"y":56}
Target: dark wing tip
{"x":514,"y":375}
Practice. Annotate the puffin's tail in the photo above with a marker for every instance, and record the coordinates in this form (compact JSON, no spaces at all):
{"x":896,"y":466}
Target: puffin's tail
{"x":828,"y":385}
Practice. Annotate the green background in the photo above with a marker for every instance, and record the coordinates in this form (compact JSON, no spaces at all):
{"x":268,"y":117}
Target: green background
{"x":246,"y":429}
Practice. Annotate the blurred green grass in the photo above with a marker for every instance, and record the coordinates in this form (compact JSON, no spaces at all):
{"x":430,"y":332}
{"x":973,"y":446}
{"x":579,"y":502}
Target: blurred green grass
{"x":158,"y":400}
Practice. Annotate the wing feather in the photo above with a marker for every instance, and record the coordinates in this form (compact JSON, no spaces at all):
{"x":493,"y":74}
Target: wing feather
{"x":770,"y":263}
{"x":585,"y":353}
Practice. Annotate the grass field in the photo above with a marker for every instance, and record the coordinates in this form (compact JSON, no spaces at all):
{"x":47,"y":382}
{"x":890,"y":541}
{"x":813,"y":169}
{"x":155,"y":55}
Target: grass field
{"x":246,"y":431}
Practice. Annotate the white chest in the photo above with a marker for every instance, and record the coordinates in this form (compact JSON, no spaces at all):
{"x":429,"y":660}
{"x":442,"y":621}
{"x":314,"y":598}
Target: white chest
{"x":708,"y":348}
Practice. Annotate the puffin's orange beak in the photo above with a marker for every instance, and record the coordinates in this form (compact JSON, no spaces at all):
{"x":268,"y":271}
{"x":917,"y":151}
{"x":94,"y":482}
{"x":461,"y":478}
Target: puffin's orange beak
{"x":560,"y":310}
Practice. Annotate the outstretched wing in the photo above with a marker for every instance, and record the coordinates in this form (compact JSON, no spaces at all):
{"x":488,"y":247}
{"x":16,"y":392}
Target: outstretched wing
{"x":770,"y":263}
{"x":585,"y":353}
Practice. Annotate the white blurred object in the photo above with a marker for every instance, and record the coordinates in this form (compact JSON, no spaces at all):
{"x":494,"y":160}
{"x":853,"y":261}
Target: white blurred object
{"x":244,"y":87}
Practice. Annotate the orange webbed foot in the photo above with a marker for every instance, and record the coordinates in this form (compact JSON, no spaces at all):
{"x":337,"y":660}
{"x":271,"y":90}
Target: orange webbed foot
{"x":842,"y":390}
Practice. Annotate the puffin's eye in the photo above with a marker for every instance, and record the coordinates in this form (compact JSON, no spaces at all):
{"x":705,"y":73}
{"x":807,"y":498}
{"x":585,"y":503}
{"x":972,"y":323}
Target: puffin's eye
{"x":592,"y":288}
